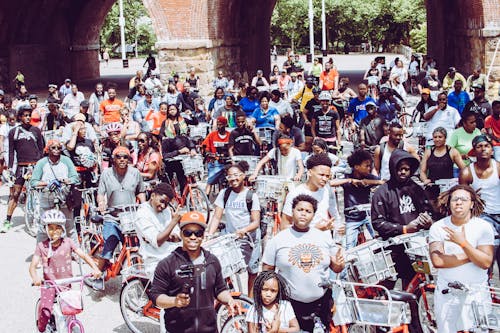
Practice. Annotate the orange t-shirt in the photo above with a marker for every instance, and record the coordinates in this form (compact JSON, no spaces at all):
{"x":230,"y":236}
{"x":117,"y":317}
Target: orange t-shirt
{"x":111,"y":110}
{"x":329,"y":79}
{"x":158,"y":118}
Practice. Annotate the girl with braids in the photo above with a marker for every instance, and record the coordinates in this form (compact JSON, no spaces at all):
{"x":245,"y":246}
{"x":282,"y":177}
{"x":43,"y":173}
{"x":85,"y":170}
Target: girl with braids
{"x":271,"y":311}
{"x":461,"y":248}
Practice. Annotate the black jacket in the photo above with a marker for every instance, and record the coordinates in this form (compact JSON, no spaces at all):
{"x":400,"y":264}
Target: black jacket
{"x":396,"y":204}
{"x":199,"y":316}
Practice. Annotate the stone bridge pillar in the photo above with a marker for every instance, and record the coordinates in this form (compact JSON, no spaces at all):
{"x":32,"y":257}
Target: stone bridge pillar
{"x":464,"y":34}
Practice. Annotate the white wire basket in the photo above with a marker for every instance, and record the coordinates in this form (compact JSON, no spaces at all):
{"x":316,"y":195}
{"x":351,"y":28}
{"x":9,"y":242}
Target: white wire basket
{"x":370,"y":263}
{"x":199,"y":131}
{"x":192,"y":165}
{"x":228,"y":252}
{"x":270,"y":187}
{"x":250,"y":159}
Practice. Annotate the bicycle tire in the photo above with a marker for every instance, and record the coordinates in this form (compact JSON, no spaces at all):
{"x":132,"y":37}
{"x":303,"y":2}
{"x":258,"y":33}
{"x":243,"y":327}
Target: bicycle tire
{"x":32,"y":213}
{"x":222,"y":313}
{"x":197,"y":200}
{"x":424,"y":324}
{"x":133,"y":298}
{"x":76,"y":327}
{"x":235,"y":324}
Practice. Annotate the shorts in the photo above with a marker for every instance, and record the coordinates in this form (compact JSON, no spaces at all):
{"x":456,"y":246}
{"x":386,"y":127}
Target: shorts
{"x":215,"y":172}
{"x":251,"y":254}
{"x":21,"y":170}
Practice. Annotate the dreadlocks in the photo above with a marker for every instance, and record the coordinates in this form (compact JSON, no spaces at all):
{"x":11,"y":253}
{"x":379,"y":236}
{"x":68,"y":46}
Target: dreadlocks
{"x":445,"y":197}
{"x":283,"y":292}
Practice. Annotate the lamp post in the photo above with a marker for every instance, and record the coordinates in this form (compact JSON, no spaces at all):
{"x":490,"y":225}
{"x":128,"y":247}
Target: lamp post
{"x":121,"y":22}
{"x":323,"y":29}
{"x":311,"y":29}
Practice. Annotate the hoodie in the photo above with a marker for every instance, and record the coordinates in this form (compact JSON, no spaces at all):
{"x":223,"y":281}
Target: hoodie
{"x":396,"y":204}
{"x":199,"y":316}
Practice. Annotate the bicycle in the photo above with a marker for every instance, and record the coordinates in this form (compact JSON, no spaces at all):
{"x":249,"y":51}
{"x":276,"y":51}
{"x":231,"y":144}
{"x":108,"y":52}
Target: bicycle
{"x":68,"y":303}
{"x":192,"y":196}
{"x":126,"y":254}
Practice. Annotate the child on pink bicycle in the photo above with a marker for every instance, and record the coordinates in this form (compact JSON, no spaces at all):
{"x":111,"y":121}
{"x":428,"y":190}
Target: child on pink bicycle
{"x":54,"y":255}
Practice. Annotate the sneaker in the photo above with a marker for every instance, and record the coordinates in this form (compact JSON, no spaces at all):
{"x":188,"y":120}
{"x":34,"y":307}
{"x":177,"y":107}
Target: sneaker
{"x":96,"y":284}
{"x":6,"y":226}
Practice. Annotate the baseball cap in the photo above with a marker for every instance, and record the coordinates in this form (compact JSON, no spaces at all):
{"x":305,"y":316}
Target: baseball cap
{"x":452,"y":69}
{"x":426,"y":91}
{"x":477,"y":140}
{"x":370,"y":103}
{"x":79,"y":117}
{"x":325,"y":96}
{"x":85,"y":103}
{"x":53,"y":86}
{"x":121,"y":150}
{"x":193,"y":218}
{"x":67,"y":80}
{"x":478,"y":86}
{"x":293,"y":74}
{"x":309,"y":80}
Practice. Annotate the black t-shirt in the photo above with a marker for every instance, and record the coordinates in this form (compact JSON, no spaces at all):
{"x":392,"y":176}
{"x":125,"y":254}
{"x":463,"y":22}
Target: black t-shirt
{"x":325,"y":123}
{"x":243,"y":141}
{"x":356,"y":196}
{"x":482,"y":109}
{"x":429,"y":82}
{"x":374,"y":129}
{"x":312,"y":106}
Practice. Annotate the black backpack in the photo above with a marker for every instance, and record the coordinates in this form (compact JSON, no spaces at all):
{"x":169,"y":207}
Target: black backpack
{"x":249,"y":201}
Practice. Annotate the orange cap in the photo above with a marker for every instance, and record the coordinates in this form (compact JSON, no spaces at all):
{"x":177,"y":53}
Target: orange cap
{"x":193,"y":218}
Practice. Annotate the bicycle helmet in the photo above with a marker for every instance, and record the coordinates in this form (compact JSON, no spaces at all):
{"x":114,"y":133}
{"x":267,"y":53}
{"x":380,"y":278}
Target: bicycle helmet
{"x":114,"y":127}
{"x":316,"y":90}
{"x":193,"y":217}
{"x":87,"y":158}
{"x":325,"y":96}
{"x":54,"y":216}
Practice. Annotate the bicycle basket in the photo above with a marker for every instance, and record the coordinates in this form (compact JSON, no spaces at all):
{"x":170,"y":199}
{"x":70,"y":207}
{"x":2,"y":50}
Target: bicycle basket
{"x":270,"y":186}
{"x":370,"y":263}
{"x":70,"y":302}
{"x":192,"y":165}
{"x":199,"y":131}
{"x":250,"y":159}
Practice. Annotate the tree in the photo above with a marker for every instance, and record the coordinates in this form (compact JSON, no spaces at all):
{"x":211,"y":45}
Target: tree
{"x":136,"y":25}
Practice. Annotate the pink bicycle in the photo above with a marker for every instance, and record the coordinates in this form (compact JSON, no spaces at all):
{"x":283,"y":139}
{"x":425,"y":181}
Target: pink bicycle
{"x":67,"y":304}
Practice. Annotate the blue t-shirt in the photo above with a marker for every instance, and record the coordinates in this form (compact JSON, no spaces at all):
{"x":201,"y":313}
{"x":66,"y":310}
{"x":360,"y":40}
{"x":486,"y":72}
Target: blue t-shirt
{"x":266,"y":120}
{"x":387,"y":110}
{"x":249,"y":106}
{"x":358,"y":108}
{"x":458,"y":101}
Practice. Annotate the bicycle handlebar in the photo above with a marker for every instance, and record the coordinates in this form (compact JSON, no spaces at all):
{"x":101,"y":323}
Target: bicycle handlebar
{"x":58,"y":282}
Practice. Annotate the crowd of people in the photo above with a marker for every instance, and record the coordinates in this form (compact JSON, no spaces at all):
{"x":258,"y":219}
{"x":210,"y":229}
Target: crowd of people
{"x":297,"y":122}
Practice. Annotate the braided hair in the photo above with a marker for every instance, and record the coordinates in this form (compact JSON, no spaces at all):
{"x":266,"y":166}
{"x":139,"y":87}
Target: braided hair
{"x":283,"y":292}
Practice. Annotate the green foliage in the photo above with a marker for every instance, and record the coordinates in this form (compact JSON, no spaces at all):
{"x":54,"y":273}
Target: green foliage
{"x":382,"y":22}
{"x":418,"y":39}
{"x":136,"y":24}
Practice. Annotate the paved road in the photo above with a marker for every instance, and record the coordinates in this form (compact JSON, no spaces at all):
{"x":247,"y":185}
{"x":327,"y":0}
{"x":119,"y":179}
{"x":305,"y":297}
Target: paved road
{"x":102,"y":313}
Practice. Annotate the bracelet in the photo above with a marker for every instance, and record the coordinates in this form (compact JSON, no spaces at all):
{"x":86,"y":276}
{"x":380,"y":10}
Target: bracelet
{"x":404,"y":230}
{"x":463,"y":244}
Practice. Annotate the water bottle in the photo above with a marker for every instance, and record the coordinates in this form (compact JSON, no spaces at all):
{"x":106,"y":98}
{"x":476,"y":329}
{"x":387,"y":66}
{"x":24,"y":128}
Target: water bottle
{"x":318,"y":326}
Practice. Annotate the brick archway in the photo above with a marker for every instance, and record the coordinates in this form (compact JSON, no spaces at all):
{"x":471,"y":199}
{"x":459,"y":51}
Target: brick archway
{"x":53,"y":39}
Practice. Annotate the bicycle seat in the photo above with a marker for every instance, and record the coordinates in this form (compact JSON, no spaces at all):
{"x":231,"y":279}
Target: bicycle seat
{"x":402,"y":296}
{"x":97,"y":219}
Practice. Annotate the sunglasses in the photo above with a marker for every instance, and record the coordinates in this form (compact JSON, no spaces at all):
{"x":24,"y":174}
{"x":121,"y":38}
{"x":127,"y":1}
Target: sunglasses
{"x":56,"y":148}
{"x":141,"y":140}
{"x":234,"y":176}
{"x":124,"y":157}
{"x":198,"y":233}
{"x":463,"y":199}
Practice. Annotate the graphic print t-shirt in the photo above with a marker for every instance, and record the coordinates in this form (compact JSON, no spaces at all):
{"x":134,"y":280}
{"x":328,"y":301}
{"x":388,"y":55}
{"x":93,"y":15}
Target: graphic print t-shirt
{"x":303,"y":258}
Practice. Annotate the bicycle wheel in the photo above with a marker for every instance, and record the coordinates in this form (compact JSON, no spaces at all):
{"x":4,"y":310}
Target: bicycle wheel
{"x":133,"y":298}
{"x":135,"y":259}
{"x":223,"y":314}
{"x":76,"y":327}
{"x":235,"y":324}
{"x":32,"y":213}
{"x":197,"y":200}
{"x":426,"y":319}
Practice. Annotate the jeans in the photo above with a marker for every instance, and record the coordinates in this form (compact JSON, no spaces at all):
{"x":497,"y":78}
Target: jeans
{"x":352,"y":231}
{"x":496,"y":151}
{"x":215,"y":172}
{"x":112,"y":236}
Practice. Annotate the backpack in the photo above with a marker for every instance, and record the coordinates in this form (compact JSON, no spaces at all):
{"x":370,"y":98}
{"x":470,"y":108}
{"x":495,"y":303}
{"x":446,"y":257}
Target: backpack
{"x":249,"y":202}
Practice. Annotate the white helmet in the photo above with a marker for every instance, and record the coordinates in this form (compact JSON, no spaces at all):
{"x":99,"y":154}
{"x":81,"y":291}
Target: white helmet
{"x":87,"y":158}
{"x":114,"y":127}
{"x":325,"y":96}
{"x":54,"y":216}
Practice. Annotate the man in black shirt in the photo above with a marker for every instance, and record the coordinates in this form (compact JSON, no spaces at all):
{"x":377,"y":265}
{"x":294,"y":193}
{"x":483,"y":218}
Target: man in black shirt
{"x":186,"y":98}
{"x":479,"y":106}
{"x":242,"y":140}
{"x":372,"y":127}
{"x":26,"y":145}
{"x":287,"y":127}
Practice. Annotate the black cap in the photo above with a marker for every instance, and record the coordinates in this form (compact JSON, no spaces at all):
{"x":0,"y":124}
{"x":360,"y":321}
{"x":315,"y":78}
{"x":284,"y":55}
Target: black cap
{"x":85,"y":103}
{"x":33,"y":97}
{"x":452,"y":69}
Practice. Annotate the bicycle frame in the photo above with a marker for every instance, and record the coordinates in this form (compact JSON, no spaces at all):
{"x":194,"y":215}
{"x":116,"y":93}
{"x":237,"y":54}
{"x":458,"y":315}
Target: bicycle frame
{"x":125,"y":253}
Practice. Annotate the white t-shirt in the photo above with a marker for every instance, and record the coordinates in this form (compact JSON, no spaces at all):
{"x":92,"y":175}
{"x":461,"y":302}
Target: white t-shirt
{"x":236,"y":212}
{"x":447,"y":118}
{"x":477,"y":232}
{"x":303,"y":259}
{"x":4,"y":132}
{"x":327,"y":203}
{"x":285,"y":311}
{"x":148,"y":226}
{"x":287,"y":165}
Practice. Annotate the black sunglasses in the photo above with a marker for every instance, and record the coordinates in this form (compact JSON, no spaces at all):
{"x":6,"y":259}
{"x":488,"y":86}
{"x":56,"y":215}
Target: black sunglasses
{"x":197,"y":233}
{"x":56,"y":148}
{"x":125,"y":157}
{"x":141,"y":140}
